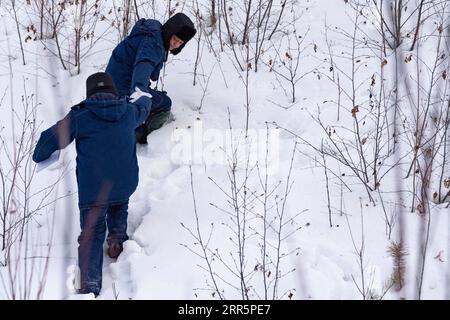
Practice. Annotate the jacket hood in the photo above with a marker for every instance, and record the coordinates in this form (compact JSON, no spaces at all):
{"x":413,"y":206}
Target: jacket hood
{"x":146,"y":26}
{"x":106,"y":106}
{"x":180,"y":25}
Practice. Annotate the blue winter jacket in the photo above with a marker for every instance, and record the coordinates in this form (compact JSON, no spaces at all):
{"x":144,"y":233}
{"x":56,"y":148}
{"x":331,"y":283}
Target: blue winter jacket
{"x":138,"y":58}
{"x":103,"y":128}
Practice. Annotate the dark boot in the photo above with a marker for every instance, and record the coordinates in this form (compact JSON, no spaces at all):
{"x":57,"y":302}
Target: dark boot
{"x":114,"y":250}
{"x":141,"y":135}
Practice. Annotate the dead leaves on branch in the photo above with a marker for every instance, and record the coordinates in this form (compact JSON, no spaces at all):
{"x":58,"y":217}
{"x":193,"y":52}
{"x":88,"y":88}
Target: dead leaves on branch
{"x":355,"y":110}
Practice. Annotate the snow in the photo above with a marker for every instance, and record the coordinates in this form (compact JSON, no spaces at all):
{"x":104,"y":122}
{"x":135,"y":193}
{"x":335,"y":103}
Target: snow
{"x":54,"y":157}
{"x":162,"y":259}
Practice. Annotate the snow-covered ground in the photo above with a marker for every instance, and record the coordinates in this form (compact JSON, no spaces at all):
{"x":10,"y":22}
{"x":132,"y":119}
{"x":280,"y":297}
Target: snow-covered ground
{"x":163,"y":258}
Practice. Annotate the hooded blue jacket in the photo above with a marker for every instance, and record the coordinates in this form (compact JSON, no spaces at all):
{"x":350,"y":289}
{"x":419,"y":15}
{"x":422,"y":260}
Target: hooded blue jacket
{"x":103,"y":128}
{"x":138,"y":58}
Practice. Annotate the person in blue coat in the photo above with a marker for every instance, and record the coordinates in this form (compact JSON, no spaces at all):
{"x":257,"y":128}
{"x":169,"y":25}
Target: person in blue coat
{"x":103,"y":128}
{"x":140,"y":57}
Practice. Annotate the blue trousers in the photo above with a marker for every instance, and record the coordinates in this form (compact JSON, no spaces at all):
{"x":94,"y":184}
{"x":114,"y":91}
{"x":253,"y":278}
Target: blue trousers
{"x":94,"y":220}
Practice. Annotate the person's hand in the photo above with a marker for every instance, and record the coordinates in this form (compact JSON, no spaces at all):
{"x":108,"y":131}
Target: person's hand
{"x":137,"y":94}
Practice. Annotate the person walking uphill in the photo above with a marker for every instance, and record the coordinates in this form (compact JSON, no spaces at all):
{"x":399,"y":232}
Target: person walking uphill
{"x":106,"y":168}
{"x":139,"y":58}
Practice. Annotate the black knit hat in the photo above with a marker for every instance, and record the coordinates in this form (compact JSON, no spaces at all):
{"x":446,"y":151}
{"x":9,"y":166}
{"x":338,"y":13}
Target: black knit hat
{"x":100,"y":82}
{"x":181,"y":26}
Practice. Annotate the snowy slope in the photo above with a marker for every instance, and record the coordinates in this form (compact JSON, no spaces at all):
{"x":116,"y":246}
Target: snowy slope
{"x":162,"y":259}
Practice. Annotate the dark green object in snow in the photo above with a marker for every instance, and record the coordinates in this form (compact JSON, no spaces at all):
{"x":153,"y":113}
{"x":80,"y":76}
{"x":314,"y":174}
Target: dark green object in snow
{"x":154,"y":122}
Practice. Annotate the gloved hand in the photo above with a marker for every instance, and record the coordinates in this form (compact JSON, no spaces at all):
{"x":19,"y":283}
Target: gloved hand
{"x":139,"y":93}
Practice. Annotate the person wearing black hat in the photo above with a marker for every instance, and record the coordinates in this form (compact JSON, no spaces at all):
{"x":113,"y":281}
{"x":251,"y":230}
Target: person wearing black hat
{"x":140,"y":57}
{"x":103,"y":126}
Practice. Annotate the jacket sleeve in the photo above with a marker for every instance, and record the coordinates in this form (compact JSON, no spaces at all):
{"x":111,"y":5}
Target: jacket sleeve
{"x":146,"y":63}
{"x":155,"y":74}
{"x":55,"y":138}
{"x":142,"y":109}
